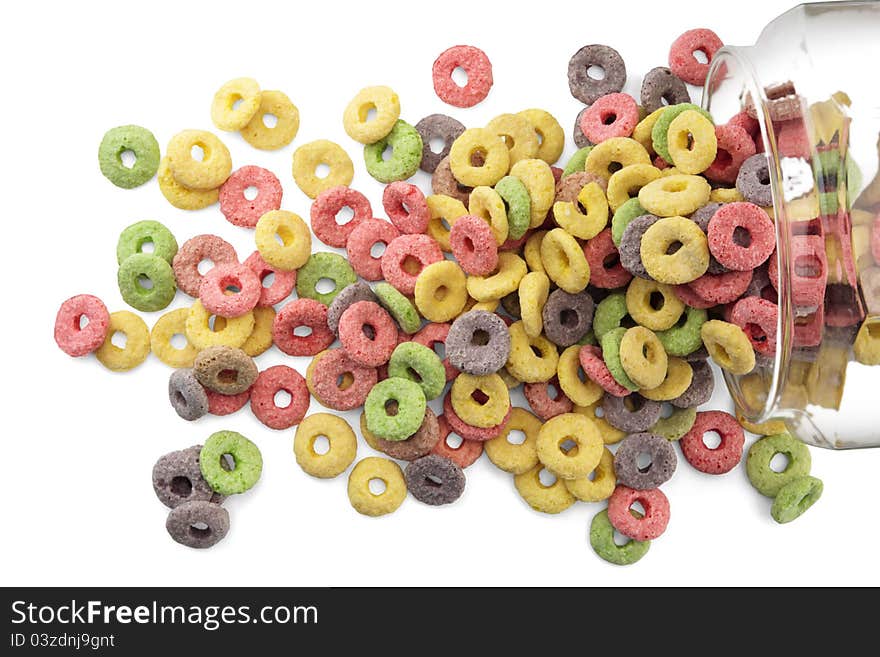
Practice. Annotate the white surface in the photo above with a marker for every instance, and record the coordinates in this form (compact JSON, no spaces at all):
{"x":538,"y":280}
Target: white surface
{"x":79,"y":441}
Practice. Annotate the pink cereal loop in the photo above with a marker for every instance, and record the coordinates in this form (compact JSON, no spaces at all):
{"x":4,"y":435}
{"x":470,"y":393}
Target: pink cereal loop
{"x":479,"y":76}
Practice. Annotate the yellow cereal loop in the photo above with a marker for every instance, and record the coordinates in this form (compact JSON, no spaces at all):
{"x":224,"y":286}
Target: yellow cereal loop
{"x":679,"y":375}
{"x":489,"y":306}
{"x":182,"y":197}
{"x":259,"y":135}
{"x":308,"y":157}
{"x":626,"y":183}
{"x":260,"y":339}
{"x":539,"y":182}
{"x":579,"y":389}
{"x":692,"y":142}
{"x":486,"y":204}
{"x":531,"y":359}
{"x":224,"y":114}
{"x":137,"y":342}
{"x":610,"y":434}
{"x":642,"y":132}
{"x":364,"y":500}
{"x":726,"y":195}
{"x":444,"y":211}
{"x":613,"y":154}
{"x":576,"y":223}
{"x":512,"y":457}
{"x":490,"y":412}
{"x":209,"y":171}
{"x":653,"y":305}
{"x":509,"y":380}
{"x":504,"y":280}
{"x":356,"y":118}
{"x":768,"y":428}
{"x":340,"y":437}
{"x":166,"y":327}
{"x":296,"y":240}
{"x":826,"y":378}
{"x":728,"y":346}
{"x":533,"y":291}
{"x":554,"y":498}
{"x":675,"y":195}
{"x":233,"y":333}
{"x":600,"y":486}
{"x":518,"y":135}
{"x":473,"y":142}
{"x":569,"y":445}
{"x":643,"y":357}
{"x":532,"y":251}
{"x":441,"y":291}
{"x":688,"y":263}
{"x":564,"y":261}
{"x":551,"y":137}
{"x":867,"y":345}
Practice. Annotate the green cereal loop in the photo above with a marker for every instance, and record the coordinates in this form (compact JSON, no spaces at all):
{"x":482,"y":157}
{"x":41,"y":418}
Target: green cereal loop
{"x":133,"y":238}
{"x":411,"y":406}
{"x":577,"y":161}
{"x":414,"y":361}
{"x":853,"y":180}
{"x":146,"y":265}
{"x":589,"y":338}
{"x":763,"y":478}
{"x":139,"y":141}
{"x":406,"y":156}
{"x":660,"y":131}
{"x":324,"y":265}
{"x":611,"y":355}
{"x":602,"y":541}
{"x":622,"y":216}
{"x":795,"y":498}
{"x":518,"y":203}
{"x":829,"y":203}
{"x":401,"y":308}
{"x":676,"y":425}
{"x":683,"y":339}
{"x":246,"y":467}
{"x":609,"y":314}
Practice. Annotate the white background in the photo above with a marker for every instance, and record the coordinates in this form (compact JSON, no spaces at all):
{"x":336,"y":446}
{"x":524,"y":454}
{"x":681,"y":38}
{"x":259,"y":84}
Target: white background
{"x":79,"y":441}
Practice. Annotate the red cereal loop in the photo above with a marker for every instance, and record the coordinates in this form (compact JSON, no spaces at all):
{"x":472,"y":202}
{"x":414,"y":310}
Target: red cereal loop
{"x":713,"y":460}
{"x":686,"y":295}
{"x":747,"y":123}
{"x":651,"y":524}
{"x":807,"y":331}
{"x":282,"y":284}
{"x":479,"y":76}
{"x":613,"y":115}
{"x":681,"y":55}
{"x":361,"y":242}
{"x":463,"y":455}
{"x":201,"y":247}
{"x":465,"y":430}
{"x":406,"y":207}
{"x":432,"y":334}
{"x":328,"y":204}
{"x":74,"y":339}
{"x":792,"y":139}
{"x":746,"y":252}
{"x":596,"y":370}
{"x":272,"y":381}
{"x":327,"y":375}
{"x":809,"y":271}
{"x":735,"y":146}
{"x":302,"y":312}
{"x":367,"y":333}
{"x":214,"y":292}
{"x":543,"y":403}
{"x":226,"y":404}
{"x":473,"y":245}
{"x":240,"y":210}
{"x":405,"y":258}
{"x":511,"y":244}
{"x":604,"y":259}
{"x":757,"y":318}
{"x":721,"y":288}
{"x":660,"y":163}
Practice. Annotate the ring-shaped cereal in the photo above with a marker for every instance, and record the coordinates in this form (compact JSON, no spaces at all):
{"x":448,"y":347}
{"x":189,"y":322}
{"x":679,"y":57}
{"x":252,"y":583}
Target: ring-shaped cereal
{"x":644,"y":306}
{"x":575,"y":461}
{"x":602,"y":542}
{"x":532,"y":251}
{"x":406,"y":207}
{"x":260,"y":339}
{"x":643,"y":357}
{"x":518,"y":205}
{"x":678,"y":377}
{"x":537,"y":177}
{"x":625,"y":185}
{"x":192,"y":253}
{"x":137,"y":342}
{"x":338,"y":382}
{"x":225,"y":370}
{"x":217,"y":291}
{"x":205,"y":174}
{"x":417,"y":362}
{"x":642,"y":131}
{"x":326,"y":208}
{"x":675,"y":195}
{"x":282,"y":284}
{"x":201,"y":336}
{"x":479,"y":141}
{"x":182,"y":197}
{"x":646,"y":526}
{"x":518,"y":135}
{"x":474,"y":246}
{"x":166,"y":327}
{"x":441,"y":291}
{"x":504,"y":280}
{"x":682,"y":59}
{"x":684,"y":337}
{"x":356,"y":118}
{"x":660,"y":129}
{"x":534,"y":288}
{"x":401,"y":308}
{"x":601,"y":486}
{"x":296,"y":239}
{"x":464,"y":454}
{"x":360,"y":245}
{"x":242,"y":91}
{"x":271,"y":381}
{"x":331,"y":266}
{"x":682,"y":266}
{"x":468,"y":431}
{"x":406,"y":154}
{"x":728,"y":346}
{"x":308,"y":157}
{"x":610,"y":343}
{"x":444,"y":211}
{"x":551,"y":137}
{"x":297,"y":313}
{"x":437,"y":126}
{"x":677,"y":424}
{"x":488,"y":205}
{"x":247,"y":462}
{"x":138,"y":141}
{"x":367,"y":333}
{"x":524,"y":363}
{"x":732,"y":218}
{"x":583,"y":225}
{"x":409,"y":412}
{"x":795,"y":498}
{"x":623,"y":217}
{"x":757,"y":318}
{"x":238,"y":209}
{"x":763,"y":477}
{"x":142,"y":267}
{"x":475,"y":64}
{"x":406,"y":257}
{"x":516,"y":458}
{"x":364,"y":500}
{"x":614,"y":154}
{"x":431,"y":335}
{"x":714,"y":460}
{"x":582,"y":392}
{"x":603,"y":258}
{"x":554,"y":498}
{"x":259,"y":135}
{"x":691,"y":143}
{"x":72,"y":337}
{"x":134,"y":237}
{"x":341,"y":440}
{"x":612,"y":115}
{"x":564,"y":261}
{"x":546,"y":399}
{"x":588,"y":88}
{"x":493,"y":404}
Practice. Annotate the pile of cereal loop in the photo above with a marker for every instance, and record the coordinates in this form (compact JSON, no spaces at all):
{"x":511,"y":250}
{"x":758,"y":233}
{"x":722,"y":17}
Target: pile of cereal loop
{"x":601,"y":287}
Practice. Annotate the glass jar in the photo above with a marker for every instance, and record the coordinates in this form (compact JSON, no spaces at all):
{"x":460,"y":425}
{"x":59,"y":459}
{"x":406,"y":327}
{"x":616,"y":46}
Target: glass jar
{"x":811,"y":85}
